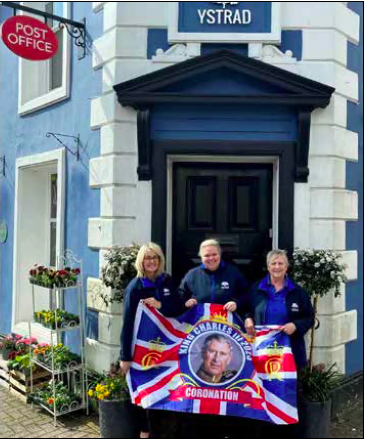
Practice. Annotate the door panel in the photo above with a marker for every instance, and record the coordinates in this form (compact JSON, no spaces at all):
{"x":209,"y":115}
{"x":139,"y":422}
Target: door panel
{"x":201,"y":198}
{"x":230,"y":202}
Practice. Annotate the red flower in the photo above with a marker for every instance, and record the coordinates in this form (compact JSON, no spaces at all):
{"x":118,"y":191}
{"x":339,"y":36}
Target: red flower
{"x":76,"y":271}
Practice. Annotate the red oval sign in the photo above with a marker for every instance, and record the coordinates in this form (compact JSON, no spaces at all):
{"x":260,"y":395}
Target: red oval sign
{"x":29,"y":38}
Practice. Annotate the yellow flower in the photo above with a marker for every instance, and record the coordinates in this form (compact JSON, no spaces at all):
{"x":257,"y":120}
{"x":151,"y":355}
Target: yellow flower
{"x":99,"y":388}
{"x":106,"y":394}
{"x":101,"y":397}
{"x":91,"y":393}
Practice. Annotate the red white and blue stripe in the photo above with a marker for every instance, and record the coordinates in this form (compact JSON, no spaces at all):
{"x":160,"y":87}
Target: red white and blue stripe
{"x":158,"y":378}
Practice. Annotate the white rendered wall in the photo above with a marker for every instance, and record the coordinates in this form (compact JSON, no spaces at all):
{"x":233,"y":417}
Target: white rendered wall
{"x":322,"y":206}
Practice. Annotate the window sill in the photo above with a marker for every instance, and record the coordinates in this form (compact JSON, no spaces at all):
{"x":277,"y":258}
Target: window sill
{"x":51,"y":98}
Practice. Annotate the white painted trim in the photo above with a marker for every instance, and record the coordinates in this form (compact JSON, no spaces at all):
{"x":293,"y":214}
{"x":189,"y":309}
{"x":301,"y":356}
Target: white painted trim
{"x":58,"y":157}
{"x":58,"y":94}
{"x":174,"y":36}
{"x":171,"y":159}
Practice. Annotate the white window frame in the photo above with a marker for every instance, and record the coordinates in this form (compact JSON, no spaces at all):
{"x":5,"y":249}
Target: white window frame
{"x":57,"y":94}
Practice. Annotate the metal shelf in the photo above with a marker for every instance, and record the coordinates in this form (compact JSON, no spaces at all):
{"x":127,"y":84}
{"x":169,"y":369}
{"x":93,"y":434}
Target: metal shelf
{"x":58,"y":371}
{"x":57,"y":414}
{"x":57,"y":293}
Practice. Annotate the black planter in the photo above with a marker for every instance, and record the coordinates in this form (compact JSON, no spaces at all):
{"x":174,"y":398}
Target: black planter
{"x":117,"y":419}
{"x":314,"y":418}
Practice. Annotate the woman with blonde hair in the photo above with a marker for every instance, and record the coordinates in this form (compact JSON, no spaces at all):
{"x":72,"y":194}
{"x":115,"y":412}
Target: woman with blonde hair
{"x":155,"y":288}
{"x":214,"y":281}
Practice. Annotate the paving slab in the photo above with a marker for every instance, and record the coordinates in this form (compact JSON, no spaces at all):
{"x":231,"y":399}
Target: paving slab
{"x":19,"y":420}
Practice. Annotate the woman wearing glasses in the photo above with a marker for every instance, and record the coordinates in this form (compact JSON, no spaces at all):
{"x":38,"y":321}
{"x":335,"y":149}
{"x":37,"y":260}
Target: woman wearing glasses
{"x":154,"y":287}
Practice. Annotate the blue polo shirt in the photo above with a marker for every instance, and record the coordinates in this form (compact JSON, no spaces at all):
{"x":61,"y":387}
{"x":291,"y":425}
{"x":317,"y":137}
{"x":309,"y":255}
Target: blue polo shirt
{"x":157,"y":284}
{"x":276,"y":311}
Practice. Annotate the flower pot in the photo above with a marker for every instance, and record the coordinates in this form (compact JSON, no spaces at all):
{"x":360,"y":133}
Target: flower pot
{"x":5,"y":353}
{"x":117,"y":419}
{"x":314,"y":418}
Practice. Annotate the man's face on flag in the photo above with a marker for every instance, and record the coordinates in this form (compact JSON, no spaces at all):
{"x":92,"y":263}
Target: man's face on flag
{"x":216,"y":358}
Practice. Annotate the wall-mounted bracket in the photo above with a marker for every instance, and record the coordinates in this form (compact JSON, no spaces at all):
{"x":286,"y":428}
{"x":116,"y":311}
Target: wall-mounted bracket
{"x":76,"y":140}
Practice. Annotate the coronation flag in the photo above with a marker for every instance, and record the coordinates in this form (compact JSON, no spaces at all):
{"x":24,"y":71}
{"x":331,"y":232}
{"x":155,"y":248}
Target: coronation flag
{"x":203,"y":362}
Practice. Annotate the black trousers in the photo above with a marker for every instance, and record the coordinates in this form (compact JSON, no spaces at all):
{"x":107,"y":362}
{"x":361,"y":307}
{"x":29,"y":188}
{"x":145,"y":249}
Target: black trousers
{"x":213,"y":426}
{"x":142,"y":416}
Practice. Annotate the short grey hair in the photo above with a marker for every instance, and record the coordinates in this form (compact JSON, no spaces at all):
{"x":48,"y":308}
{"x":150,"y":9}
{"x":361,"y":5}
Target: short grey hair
{"x":220,"y":338}
{"x":274,"y":254}
{"x":210,"y":242}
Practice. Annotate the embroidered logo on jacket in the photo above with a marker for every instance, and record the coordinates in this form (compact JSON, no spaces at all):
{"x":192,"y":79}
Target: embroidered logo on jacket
{"x":295,"y":307}
{"x":225,"y":286}
{"x":166,"y":292}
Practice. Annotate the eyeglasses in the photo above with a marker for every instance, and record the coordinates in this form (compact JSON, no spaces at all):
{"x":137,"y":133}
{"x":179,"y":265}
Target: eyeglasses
{"x":151,"y":258}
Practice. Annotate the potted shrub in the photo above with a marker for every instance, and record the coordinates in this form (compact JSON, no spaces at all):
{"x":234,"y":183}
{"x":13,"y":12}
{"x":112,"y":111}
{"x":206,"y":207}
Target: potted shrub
{"x":315,"y":386}
{"x":118,"y":271}
{"x":318,"y":272}
{"x":116,"y":414}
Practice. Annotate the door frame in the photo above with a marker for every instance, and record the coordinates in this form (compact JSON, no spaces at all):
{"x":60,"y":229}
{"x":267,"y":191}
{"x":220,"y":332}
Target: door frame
{"x":38,"y":162}
{"x":172,"y":159}
{"x":165,"y":152}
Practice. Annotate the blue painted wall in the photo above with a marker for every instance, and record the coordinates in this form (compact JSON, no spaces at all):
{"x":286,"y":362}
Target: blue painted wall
{"x":23,"y":136}
{"x":292,"y":40}
{"x":187,"y":122}
{"x":355,"y":182}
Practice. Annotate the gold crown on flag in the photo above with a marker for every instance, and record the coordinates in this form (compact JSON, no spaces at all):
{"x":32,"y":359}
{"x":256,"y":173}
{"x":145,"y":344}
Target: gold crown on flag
{"x":275,"y":350}
{"x":156,"y":345}
{"x":219,"y":318}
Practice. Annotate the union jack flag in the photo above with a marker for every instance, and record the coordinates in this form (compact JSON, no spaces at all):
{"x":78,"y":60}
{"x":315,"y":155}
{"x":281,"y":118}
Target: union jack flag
{"x":259,"y":382}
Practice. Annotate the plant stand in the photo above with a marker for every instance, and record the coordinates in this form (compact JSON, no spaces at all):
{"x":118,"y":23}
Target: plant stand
{"x":74,"y":375}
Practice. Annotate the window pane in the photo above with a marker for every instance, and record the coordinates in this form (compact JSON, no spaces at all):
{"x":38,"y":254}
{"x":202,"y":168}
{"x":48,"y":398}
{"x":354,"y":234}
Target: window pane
{"x":41,"y":77}
{"x":53,"y":196}
{"x":55,"y":8}
{"x":52,"y":247}
{"x":34,"y":79}
{"x":56,"y":63}
{"x":58,"y":8}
